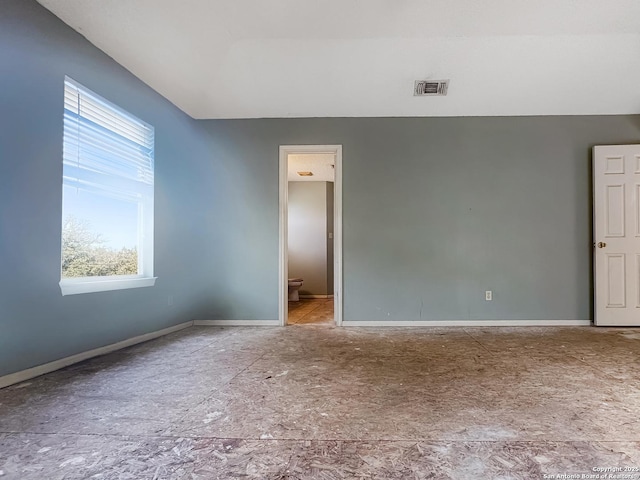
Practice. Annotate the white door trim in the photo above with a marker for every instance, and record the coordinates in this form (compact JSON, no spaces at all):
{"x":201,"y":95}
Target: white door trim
{"x":285,"y":151}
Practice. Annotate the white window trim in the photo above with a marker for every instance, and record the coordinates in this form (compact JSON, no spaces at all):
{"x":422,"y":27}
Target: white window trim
{"x":74,"y":286}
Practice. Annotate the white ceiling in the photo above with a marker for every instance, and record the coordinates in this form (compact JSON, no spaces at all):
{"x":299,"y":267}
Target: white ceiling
{"x":320,"y":164}
{"x":346,"y":58}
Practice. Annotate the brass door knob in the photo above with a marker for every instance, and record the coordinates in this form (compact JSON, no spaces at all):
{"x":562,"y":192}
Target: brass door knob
{"x":601,"y":244}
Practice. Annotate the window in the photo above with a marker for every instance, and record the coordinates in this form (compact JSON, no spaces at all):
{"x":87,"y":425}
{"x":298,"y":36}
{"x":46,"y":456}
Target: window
{"x":107,"y":195}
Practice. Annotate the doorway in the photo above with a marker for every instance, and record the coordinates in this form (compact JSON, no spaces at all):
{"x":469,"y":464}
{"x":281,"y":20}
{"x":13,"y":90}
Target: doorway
{"x":298,"y":156}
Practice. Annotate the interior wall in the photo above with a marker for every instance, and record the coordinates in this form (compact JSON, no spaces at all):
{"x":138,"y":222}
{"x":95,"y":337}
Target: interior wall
{"x":330,"y":256}
{"x":307,"y":242}
{"x":38,"y":324}
{"x":435,"y":212}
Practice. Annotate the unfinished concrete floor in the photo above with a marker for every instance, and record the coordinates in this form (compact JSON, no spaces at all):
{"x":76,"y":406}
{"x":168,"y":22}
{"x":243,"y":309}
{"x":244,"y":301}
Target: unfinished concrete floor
{"x":330,"y":403}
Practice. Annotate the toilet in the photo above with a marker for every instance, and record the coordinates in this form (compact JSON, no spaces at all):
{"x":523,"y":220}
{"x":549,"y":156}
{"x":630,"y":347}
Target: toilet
{"x":294,"y":286}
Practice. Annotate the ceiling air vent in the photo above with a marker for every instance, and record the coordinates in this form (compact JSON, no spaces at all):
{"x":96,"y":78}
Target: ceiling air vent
{"x":430,"y":87}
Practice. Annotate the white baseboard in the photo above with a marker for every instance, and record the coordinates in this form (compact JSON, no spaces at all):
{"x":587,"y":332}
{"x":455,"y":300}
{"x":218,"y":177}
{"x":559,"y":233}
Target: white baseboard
{"x":467,"y":323}
{"x":33,"y":372}
{"x":316,"y":296}
{"x":237,"y":323}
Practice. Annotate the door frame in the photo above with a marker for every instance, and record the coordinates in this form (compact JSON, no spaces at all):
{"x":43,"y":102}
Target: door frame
{"x":283,"y":253}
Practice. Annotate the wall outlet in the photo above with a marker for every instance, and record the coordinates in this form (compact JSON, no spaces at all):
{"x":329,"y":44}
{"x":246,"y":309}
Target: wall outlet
{"x":170,"y":300}
{"x":488,"y":295}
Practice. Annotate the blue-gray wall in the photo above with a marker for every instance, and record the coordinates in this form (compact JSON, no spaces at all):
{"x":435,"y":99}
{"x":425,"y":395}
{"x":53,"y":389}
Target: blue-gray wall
{"x":435,"y":212}
{"x":330,"y":226}
{"x":307,"y":228}
{"x":38,"y":324}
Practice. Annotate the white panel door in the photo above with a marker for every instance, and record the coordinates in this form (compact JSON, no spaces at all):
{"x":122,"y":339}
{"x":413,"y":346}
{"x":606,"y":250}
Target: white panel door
{"x":616,"y":235}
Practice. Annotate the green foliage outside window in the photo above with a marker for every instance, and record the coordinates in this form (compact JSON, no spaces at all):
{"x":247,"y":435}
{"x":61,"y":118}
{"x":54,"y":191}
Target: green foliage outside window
{"x":85,"y":255}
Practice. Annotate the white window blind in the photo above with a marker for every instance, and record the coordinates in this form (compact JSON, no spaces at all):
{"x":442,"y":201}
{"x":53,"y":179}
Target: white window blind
{"x":105,"y":149}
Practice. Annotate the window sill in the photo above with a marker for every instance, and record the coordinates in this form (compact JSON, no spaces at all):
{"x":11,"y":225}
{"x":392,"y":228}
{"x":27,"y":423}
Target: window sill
{"x":74,"y":286}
